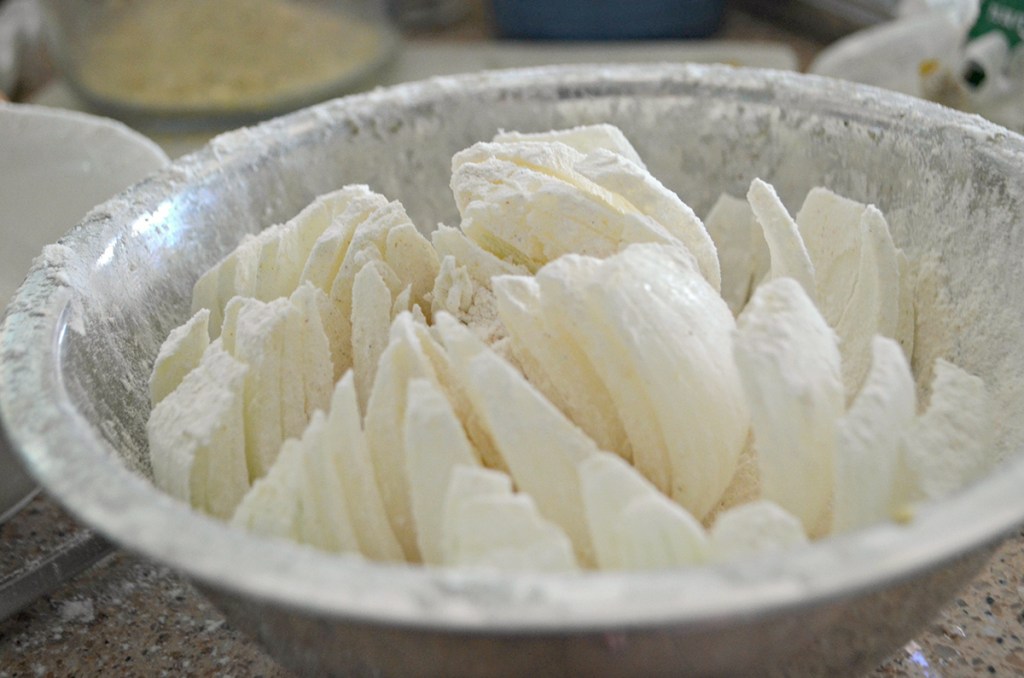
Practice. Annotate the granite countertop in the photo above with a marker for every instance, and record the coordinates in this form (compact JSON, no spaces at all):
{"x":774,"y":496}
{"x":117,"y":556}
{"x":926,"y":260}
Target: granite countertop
{"x":130,"y":617}
{"x":124,"y":617}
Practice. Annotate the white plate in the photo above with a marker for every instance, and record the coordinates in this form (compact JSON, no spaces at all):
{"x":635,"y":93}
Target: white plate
{"x":54,"y":166}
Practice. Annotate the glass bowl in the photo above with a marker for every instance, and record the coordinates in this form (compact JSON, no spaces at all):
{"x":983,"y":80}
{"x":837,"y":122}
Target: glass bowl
{"x":202,"y":64}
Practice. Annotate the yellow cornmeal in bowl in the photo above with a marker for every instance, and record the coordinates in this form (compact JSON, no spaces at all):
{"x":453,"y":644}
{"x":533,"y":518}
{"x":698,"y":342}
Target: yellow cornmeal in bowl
{"x":228,"y":54}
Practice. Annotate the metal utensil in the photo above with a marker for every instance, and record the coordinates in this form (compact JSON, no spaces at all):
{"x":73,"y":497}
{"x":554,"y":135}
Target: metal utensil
{"x":22,"y":587}
{"x":16,"y":487}
{"x":36,"y":579}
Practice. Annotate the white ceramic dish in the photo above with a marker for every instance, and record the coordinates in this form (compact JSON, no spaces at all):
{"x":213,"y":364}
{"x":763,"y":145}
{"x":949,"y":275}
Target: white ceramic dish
{"x":54,"y":166}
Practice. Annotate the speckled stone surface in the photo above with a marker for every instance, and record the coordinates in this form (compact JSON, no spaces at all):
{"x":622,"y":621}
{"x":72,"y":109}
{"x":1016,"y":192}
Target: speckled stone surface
{"x":125,"y":617}
{"x":128,"y":617}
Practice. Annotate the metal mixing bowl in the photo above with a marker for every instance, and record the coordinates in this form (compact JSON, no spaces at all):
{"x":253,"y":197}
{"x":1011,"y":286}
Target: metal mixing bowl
{"x":77,"y":345}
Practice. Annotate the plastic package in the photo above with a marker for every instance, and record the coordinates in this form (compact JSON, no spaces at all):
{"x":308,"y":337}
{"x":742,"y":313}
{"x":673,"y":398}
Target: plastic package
{"x":953,"y":52}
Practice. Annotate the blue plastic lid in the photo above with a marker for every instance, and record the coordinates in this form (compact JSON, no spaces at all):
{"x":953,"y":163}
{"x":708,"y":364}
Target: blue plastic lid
{"x":607,"y":19}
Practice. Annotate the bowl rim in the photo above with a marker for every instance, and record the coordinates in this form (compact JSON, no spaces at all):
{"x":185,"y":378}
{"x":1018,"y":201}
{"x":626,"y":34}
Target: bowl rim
{"x":80,"y":469}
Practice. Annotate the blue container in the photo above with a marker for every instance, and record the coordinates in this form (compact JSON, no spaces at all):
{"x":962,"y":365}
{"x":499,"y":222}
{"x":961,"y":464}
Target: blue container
{"x":607,"y":19}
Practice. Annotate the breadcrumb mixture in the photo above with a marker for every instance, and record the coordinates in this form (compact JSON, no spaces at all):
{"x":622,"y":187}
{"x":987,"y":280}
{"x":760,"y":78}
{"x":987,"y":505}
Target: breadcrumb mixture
{"x":224,"y":54}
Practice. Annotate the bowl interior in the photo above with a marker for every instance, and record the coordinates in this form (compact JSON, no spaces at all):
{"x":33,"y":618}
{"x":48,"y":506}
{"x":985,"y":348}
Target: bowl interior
{"x":79,"y":342}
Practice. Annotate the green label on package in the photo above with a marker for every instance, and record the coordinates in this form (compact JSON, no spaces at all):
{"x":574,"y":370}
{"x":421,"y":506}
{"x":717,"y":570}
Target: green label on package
{"x":1006,"y":16}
